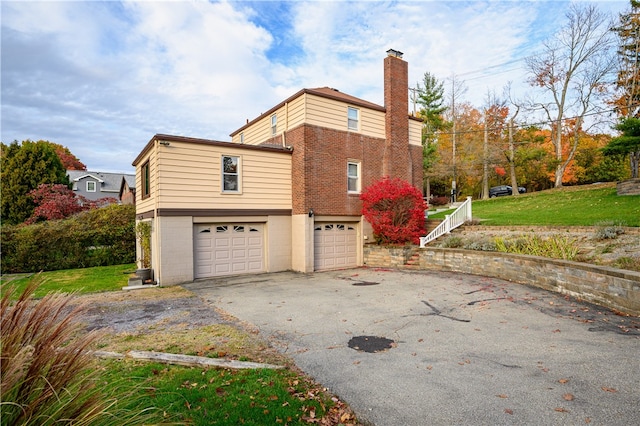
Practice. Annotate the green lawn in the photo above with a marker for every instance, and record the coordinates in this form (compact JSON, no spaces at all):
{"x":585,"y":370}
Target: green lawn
{"x":201,"y":396}
{"x":586,"y":205}
{"x":87,"y":280}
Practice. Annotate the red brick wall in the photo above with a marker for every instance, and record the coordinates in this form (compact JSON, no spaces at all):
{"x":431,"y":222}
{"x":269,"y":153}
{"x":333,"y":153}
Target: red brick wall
{"x":320,"y":155}
{"x":397,"y":161}
{"x":319,"y":168}
{"x":417,"y":166}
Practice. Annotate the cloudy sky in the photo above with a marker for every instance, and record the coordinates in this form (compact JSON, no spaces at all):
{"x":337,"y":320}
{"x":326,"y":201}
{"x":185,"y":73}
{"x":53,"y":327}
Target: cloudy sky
{"x":103,"y":77}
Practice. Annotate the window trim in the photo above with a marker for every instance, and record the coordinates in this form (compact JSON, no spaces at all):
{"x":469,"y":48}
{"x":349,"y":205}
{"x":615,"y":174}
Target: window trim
{"x":94,"y":186}
{"x":274,"y":124}
{"x":357,"y":119}
{"x":145,"y":171}
{"x":357,"y":177}
{"x":238,"y":174}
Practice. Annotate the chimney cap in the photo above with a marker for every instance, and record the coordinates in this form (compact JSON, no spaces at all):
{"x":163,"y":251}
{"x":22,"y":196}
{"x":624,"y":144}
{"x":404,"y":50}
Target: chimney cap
{"x":394,"y":53}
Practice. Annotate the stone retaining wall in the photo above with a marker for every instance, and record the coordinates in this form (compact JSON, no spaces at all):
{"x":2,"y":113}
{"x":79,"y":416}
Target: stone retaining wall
{"x":614,"y":288}
{"x":628,"y":187}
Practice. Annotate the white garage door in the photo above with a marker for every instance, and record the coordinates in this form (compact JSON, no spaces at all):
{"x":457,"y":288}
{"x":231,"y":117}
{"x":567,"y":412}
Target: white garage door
{"x":228,"y":249}
{"x":335,"y":245}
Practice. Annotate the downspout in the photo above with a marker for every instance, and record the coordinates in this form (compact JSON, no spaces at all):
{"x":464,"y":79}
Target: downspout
{"x":286,"y":124}
{"x":155,"y":228}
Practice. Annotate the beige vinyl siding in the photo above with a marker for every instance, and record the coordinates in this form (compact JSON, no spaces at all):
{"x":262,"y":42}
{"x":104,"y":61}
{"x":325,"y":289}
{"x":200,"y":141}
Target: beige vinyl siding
{"x":415,"y":132}
{"x":147,"y":204}
{"x":333,"y":114}
{"x":289,"y":115}
{"x":314,"y":110}
{"x":191,"y":178}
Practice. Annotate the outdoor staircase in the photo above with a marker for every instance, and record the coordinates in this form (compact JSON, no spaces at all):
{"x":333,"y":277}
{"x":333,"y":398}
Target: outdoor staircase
{"x":451,"y":221}
{"x":413,"y":262}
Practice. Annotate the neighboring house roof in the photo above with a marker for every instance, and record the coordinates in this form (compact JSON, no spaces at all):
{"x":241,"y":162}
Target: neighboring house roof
{"x":109,"y":182}
{"x":173,"y":138}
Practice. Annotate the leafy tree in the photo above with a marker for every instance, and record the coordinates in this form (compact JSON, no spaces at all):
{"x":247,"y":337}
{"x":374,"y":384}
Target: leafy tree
{"x":627,"y":144}
{"x":395,"y":210}
{"x":69,"y":161}
{"x":627,"y":100}
{"x":55,"y":201}
{"x":495,"y":114}
{"x":431,"y":99}
{"x":24,"y":167}
{"x":571,"y":71}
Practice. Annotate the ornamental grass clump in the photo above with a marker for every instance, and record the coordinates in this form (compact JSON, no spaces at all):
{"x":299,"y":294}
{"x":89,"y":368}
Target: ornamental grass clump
{"x":554,"y":247}
{"x":395,"y":209}
{"x":47,"y":372}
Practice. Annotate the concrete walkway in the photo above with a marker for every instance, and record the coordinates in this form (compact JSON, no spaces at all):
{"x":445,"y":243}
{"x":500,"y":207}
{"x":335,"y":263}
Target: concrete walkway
{"x":456,"y":349}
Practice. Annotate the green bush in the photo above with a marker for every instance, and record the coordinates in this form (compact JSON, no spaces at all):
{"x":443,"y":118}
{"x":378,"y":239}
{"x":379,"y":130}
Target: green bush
{"x":608,"y":230}
{"x":98,"y":237}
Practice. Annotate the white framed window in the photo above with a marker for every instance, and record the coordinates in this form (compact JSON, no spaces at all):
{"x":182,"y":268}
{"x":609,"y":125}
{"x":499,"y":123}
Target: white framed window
{"x":274,"y":124}
{"x":242,"y":137}
{"x":353,"y":118}
{"x":353,"y":177}
{"x":91,"y":186}
{"x":230,"y":173}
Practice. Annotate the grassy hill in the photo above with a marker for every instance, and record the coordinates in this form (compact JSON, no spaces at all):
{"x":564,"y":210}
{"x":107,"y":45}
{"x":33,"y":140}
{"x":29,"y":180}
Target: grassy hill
{"x":585,"y":205}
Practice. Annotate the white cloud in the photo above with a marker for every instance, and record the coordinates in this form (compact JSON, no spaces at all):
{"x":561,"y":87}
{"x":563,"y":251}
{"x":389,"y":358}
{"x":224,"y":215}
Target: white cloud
{"x":103,"y":77}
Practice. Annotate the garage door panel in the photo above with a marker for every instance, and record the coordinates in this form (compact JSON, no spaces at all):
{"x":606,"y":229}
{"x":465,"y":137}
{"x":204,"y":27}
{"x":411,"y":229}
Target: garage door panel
{"x":335,"y":245}
{"x":228,"y":249}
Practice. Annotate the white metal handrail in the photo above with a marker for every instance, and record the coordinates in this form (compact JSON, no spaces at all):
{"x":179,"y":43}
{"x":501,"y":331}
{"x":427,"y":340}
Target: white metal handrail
{"x":451,"y":221}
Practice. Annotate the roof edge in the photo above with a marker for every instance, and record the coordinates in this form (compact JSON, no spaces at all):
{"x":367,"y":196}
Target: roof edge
{"x":186,"y":139}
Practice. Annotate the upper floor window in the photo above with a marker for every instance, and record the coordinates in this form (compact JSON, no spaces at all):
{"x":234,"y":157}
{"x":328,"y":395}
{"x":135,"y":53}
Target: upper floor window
{"x":353,"y":117}
{"x":230,"y":173}
{"x":353,"y":176}
{"x":242,"y":137}
{"x":91,"y":186}
{"x":146,"y":180}
{"x":274,"y":124}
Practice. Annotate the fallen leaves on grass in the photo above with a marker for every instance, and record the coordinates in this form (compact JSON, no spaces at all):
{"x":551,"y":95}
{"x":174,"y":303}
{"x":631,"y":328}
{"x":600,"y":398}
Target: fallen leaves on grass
{"x":606,"y":389}
{"x":568,"y":397}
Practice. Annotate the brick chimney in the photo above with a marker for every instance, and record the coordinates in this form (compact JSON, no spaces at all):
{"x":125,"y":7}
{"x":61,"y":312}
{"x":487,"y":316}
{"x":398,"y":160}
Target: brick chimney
{"x":397,"y":160}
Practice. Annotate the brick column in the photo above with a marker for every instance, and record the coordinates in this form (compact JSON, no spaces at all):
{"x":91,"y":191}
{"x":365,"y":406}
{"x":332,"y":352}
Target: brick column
{"x":397,"y":160}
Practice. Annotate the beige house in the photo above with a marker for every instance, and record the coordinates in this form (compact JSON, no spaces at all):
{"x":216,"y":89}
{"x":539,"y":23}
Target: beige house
{"x":284,"y":194}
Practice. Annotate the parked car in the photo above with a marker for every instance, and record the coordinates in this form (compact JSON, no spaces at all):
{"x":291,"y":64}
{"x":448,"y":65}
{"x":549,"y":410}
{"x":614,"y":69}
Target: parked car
{"x":498,"y":191}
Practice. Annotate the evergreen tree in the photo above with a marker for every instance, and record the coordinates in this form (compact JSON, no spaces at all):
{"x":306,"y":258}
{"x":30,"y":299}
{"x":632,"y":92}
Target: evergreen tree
{"x":431,"y":100}
{"x":627,"y":144}
{"x":24,"y":167}
{"x":627,"y":102}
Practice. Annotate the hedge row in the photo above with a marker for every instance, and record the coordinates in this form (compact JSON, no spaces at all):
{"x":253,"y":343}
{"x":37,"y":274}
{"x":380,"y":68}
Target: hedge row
{"x":98,"y":237}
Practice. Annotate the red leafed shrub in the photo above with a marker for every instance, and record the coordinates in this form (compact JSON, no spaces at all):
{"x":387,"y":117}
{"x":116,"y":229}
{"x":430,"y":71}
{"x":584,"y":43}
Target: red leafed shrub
{"x":395,"y":210}
{"x":54,"y":201}
{"x":439,"y":201}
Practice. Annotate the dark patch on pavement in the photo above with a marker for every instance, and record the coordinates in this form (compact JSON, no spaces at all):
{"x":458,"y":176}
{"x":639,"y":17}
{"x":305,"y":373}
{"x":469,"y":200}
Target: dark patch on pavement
{"x":360,"y":282}
{"x":485,"y":300}
{"x":435,"y":311}
{"x":364,"y":283}
{"x":371,"y":344}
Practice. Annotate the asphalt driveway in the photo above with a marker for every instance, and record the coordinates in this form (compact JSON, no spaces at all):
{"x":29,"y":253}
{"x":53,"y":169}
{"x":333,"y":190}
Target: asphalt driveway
{"x":430,"y":348}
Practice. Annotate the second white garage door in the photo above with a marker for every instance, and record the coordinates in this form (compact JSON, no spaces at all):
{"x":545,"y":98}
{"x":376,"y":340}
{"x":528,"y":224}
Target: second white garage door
{"x":335,"y":245}
{"x":228,"y":249}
